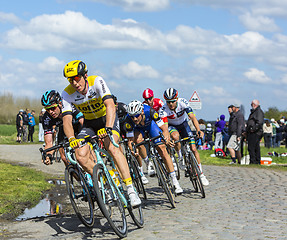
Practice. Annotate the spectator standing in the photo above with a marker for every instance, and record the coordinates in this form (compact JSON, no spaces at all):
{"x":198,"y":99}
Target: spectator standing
{"x":41,"y":130}
{"x":279,"y":132}
{"x":208,"y":136}
{"x":19,"y":125}
{"x":236,"y":128}
{"x":25,"y":124}
{"x":254,"y":131}
{"x":219,"y":128}
{"x":274,"y":125}
{"x":231,"y":116}
{"x":202,"y":128}
{"x":32,"y":124}
{"x":267,"y":133}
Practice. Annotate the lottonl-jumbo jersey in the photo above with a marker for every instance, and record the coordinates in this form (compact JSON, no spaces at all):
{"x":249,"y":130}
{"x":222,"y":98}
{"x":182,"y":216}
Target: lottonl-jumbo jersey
{"x":157,"y":103}
{"x":92,"y":103}
{"x":177,"y":116}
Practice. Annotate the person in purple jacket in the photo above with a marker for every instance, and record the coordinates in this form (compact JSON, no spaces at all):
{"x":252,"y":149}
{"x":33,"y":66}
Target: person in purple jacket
{"x":219,"y":128}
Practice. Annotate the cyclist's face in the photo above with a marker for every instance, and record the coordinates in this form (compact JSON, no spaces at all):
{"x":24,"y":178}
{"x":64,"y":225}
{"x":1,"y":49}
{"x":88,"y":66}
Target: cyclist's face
{"x":149,"y":101}
{"x":137,"y":119}
{"x":172,"y":104}
{"x":78,"y":83}
{"x":54,"y":110}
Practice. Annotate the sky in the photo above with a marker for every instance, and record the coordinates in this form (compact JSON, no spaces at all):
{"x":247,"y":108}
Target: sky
{"x":228,"y":51}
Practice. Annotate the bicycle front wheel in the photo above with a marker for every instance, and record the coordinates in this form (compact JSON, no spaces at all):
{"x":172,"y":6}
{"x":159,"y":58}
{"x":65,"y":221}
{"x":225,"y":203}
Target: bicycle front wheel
{"x":194,"y":175}
{"x":79,"y":195}
{"x":164,"y":181}
{"x":109,"y":200}
{"x":136,"y":177}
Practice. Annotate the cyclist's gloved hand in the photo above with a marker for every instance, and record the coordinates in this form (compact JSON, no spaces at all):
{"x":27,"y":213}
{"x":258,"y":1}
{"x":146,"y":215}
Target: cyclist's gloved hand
{"x":48,"y":159}
{"x":74,"y":142}
{"x":109,"y":131}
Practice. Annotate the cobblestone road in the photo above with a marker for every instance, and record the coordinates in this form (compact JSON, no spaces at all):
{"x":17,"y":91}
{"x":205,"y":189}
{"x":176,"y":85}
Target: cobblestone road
{"x":240,"y":203}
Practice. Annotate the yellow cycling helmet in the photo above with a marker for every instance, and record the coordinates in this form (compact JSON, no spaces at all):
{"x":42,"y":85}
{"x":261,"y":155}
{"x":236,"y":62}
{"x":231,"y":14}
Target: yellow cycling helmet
{"x":75,"y":68}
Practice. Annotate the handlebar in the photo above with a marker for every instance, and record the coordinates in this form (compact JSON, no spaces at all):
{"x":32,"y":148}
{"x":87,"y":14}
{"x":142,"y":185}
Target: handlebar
{"x":146,"y":140}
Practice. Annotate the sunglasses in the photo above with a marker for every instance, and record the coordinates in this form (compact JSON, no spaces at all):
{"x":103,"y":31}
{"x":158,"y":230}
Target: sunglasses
{"x":171,"y":101}
{"x":76,"y":78}
{"x":52,"y":108}
{"x":136,"y":116}
{"x":148,"y":99}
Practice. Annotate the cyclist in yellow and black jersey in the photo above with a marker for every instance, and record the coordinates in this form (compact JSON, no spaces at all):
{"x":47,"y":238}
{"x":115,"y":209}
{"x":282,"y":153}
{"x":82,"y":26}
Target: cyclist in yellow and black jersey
{"x":93,"y":98}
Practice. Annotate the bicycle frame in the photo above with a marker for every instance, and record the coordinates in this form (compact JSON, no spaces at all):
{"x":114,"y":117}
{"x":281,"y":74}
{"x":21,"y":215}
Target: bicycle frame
{"x":97,"y":150}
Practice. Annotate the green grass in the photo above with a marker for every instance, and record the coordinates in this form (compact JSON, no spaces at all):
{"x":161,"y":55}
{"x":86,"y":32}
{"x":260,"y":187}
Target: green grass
{"x":206,"y":159}
{"x":20,"y":187}
{"x":8,"y":134}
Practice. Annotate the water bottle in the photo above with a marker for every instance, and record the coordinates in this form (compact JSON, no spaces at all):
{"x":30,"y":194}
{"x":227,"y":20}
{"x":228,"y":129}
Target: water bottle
{"x":114,"y":174}
{"x":89,"y":179}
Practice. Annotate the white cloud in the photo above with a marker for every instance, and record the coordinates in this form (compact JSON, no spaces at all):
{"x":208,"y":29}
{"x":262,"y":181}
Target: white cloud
{"x":284,"y":79}
{"x":215,"y":91}
{"x":9,"y":18}
{"x":138,"y":5}
{"x":133,"y":70}
{"x":258,"y":23}
{"x":255,"y":75}
{"x":177,"y":80}
{"x":201,"y":63}
{"x":51,"y":64}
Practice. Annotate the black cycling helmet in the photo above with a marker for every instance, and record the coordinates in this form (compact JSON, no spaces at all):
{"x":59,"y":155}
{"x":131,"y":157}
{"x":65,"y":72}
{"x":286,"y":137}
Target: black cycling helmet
{"x":75,"y":68}
{"x":50,"y":97}
{"x":170,"y":94}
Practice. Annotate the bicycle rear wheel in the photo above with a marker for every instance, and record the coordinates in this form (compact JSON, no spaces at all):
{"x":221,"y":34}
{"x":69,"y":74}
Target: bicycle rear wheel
{"x":195,"y":175}
{"x":136,"y":177}
{"x":109,"y":200}
{"x":164,"y":181}
{"x":79,"y":195}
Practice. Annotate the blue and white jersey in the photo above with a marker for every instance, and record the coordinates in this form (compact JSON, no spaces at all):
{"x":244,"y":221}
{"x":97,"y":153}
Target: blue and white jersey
{"x":177,"y":116}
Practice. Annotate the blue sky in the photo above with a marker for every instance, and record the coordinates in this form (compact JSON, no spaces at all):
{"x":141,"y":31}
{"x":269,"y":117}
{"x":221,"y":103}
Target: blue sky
{"x":229,"y":51}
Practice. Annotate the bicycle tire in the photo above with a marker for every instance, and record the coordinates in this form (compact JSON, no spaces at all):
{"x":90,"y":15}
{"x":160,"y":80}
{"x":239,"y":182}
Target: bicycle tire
{"x":164,"y":181}
{"x":195,"y":174}
{"x":191,"y":174}
{"x":109,"y":200}
{"x":136,"y":177}
{"x":79,"y":195}
{"x":175,"y":160}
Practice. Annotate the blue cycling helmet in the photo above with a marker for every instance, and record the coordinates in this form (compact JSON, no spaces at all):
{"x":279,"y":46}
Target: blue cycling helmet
{"x":50,"y":97}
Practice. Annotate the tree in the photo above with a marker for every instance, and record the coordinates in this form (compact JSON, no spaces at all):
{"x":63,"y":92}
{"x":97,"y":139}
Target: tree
{"x":273,"y":112}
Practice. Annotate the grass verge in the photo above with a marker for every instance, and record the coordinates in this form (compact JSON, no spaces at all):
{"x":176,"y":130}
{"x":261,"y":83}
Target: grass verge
{"x":20,"y":187}
{"x":206,"y":159}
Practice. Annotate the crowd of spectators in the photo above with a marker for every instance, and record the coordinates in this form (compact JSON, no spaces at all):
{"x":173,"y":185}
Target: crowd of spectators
{"x":25,"y":125}
{"x":227,"y":137}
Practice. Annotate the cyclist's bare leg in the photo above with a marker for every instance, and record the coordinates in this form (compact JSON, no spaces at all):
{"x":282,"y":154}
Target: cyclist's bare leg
{"x":195,"y":152}
{"x":118,"y":157}
{"x":63,"y":157}
{"x":175,"y":137}
{"x":83,"y":155}
{"x":142,"y":150}
{"x":161,"y":149}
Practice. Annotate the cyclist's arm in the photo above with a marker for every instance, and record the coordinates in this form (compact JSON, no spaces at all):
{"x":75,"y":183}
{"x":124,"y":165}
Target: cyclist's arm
{"x":48,"y":139}
{"x":68,"y":126}
{"x":165,"y":133}
{"x":110,"y":112}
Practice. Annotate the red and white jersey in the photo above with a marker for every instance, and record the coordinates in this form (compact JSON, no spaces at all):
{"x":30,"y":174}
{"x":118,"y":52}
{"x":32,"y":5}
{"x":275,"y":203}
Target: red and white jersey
{"x":157,"y":104}
{"x":177,"y":116}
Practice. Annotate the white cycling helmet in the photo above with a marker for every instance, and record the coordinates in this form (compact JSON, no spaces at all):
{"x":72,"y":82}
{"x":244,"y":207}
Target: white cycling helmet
{"x":135,"y":107}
